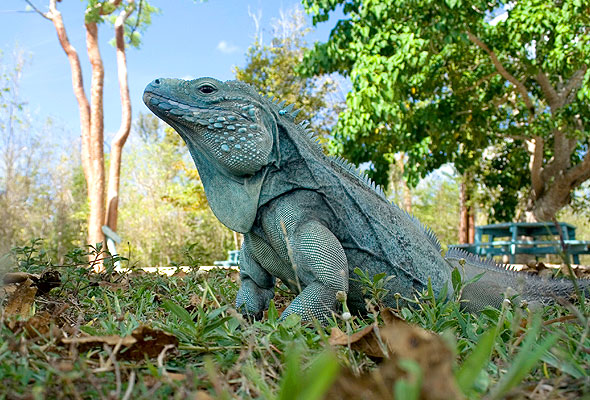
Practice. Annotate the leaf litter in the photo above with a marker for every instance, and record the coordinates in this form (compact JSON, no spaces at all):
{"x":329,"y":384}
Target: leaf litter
{"x":401,"y":347}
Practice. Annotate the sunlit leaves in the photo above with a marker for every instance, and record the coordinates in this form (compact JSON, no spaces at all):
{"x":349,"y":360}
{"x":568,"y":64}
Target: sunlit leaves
{"x":421,"y":86}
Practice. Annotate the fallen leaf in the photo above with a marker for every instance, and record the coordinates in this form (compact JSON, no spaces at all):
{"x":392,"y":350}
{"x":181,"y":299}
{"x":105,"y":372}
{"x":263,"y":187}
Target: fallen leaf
{"x":389,"y":316}
{"x":38,"y":325}
{"x":203,"y":395}
{"x":6,"y":291}
{"x":403,"y":342}
{"x":180,"y":274}
{"x":150,"y":342}
{"x":87,"y":342}
{"x":18,"y":277}
{"x":175,"y":376}
{"x":143,"y":341}
{"x":364,"y":340}
{"x":20,"y":302}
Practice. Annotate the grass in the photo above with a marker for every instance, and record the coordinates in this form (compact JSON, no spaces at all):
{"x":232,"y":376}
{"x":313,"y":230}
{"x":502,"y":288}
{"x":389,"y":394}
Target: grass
{"x":497,"y":354}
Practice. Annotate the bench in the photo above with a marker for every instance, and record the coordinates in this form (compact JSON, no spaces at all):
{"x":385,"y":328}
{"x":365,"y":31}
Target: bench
{"x":232,"y":259}
{"x":536,"y":246}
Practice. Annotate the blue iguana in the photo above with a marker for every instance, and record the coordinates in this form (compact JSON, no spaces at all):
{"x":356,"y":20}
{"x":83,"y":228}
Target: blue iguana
{"x":310,"y":219}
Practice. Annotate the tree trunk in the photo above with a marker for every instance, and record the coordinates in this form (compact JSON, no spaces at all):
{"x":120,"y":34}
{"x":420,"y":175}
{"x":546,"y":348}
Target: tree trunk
{"x":463,"y":214}
{"x":121,"y":137}
{"x":546,"y":206}
{"x":553,"y":183}
{"x":466,"y":214}
{"x":96,"y":183}
{"x":471,"y":212}
{"x":90,"y":120}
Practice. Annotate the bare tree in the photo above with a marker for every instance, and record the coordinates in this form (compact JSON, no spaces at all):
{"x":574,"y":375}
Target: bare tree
{"x":91,"y":111}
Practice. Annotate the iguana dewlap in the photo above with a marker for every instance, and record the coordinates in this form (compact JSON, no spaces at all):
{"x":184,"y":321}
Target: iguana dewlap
{"x":309,"y":219}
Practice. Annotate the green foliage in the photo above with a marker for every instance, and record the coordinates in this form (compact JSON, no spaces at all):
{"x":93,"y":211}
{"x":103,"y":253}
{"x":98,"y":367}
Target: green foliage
{"x":435,"y":202}
{"x":272,"y":70}
{"x":140,"y":16}
{"x":422,"y":85}
{"x":502,"y":174}
{"x":374,"y":287}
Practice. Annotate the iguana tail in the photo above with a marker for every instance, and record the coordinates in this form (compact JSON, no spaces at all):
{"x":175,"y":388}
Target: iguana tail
{"x":500,"y":280}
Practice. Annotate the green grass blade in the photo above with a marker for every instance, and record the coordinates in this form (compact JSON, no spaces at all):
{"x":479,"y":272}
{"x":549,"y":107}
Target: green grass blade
{"x":476,"y":361}
{"x":526,"y":358}
{"x":180,"y":312}
{"x":319,"y":378}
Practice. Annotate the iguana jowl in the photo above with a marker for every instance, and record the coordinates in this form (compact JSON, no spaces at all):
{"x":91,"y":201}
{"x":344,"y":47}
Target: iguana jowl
{"x":309,"y":219}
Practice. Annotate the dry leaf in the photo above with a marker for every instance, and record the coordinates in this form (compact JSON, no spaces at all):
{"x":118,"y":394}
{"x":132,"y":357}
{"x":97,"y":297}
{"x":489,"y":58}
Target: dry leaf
{"x":143,"y":341}
{"x":6,"y":291}
{"x":403,"y":342}
{"x":180,"y":274}
{"x":203,"y":395}
{"x":38,"y":325}
{"x":87,"y":342}
{"x":150,"y":342}
{"x":389,"y":316}
{"x":20,"y":302}
{"x":18,"y":277}
{"x":175,"y":376}
{"x":364,"y":340}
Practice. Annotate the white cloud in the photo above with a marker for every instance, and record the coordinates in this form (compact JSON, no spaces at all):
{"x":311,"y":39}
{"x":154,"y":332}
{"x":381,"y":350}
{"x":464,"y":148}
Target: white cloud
{"x":226,"y":47}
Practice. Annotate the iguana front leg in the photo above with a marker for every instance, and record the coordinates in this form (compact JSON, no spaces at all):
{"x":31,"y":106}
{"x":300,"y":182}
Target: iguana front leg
{"x":318,"y":258}
{"x":257,"y":285}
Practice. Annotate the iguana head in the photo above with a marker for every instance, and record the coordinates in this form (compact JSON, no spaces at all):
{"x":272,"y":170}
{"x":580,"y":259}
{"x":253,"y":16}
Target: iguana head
{"x":230,"y":136}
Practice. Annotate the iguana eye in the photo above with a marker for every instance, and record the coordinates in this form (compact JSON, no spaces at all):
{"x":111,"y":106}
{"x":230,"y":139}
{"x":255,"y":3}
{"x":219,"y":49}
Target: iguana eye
{"x":207,"y":89}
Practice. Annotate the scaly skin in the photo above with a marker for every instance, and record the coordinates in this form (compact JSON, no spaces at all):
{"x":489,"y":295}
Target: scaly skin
{"x":309,"y":219}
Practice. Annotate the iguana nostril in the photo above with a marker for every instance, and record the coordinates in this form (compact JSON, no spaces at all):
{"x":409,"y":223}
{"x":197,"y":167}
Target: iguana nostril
{"x":157,"y":81}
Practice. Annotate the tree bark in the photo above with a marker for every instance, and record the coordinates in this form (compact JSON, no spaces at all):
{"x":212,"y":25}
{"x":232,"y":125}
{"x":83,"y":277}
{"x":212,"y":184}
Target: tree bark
{"x":90,"y":120}
{"x":463,"y":215}
{"x":96,"y":184}
{"x":123,"y":133}
{"x":77,"y":83}
{"x":471,"y":212}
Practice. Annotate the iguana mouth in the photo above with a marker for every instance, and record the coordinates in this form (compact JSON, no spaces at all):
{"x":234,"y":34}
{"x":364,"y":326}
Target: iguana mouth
{"x":170,"y":108}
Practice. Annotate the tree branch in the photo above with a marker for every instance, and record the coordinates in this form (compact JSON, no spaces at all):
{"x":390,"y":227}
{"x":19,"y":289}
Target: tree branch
{"x":549,"y":92}
{"x":41,"y":13}
{"x":77,"y":82}
{"x":502,"y":71}
{"x":477,"y":83}
{"x":535,"y":147}
{"x":580,"y":172}
{"x":119,"y":140}
{"x":565,"y":95}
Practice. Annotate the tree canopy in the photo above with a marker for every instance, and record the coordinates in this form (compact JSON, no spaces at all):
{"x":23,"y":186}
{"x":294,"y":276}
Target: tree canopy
{"x":271,"y":68}
{"x":448,"y":81}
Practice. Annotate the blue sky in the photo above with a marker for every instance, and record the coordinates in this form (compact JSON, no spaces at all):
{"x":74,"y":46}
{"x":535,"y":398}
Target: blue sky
{"x":188,"y":39}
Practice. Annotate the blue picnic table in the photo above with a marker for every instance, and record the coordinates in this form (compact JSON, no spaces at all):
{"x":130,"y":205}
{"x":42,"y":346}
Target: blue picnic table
{"x":537,"y":238}
{"x":232,"y":259}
